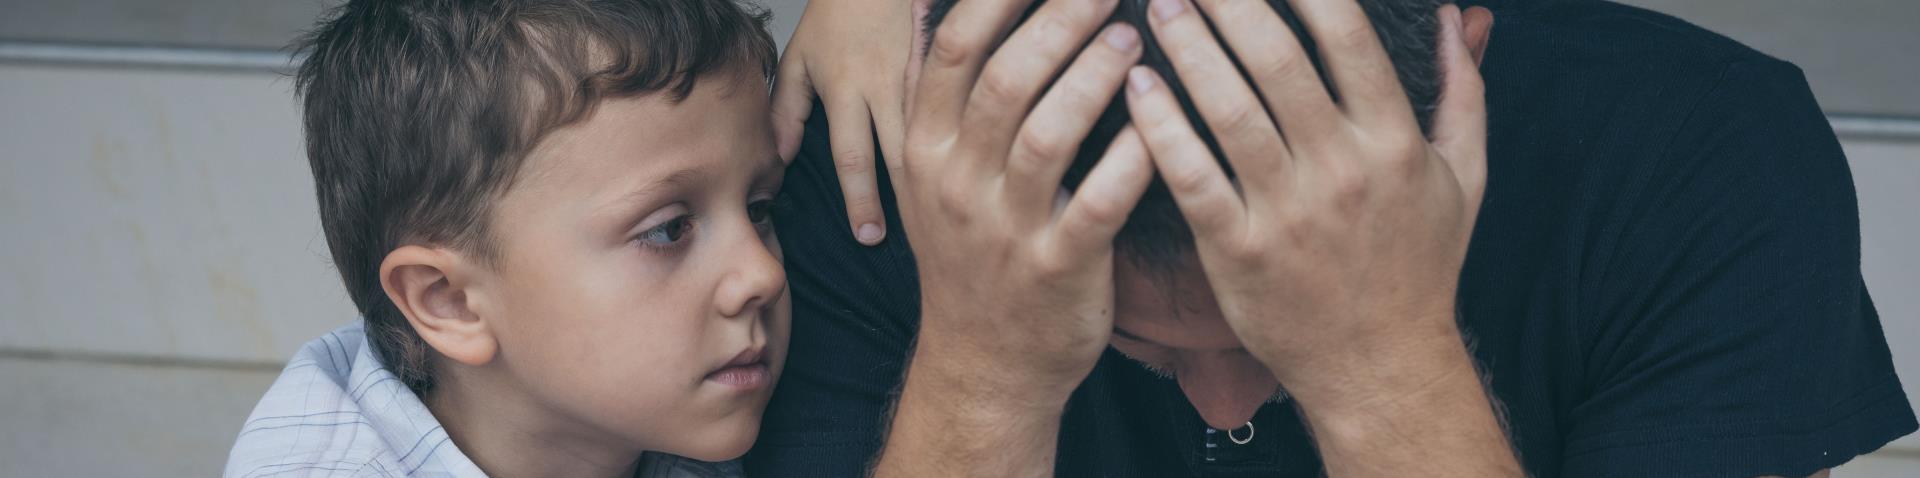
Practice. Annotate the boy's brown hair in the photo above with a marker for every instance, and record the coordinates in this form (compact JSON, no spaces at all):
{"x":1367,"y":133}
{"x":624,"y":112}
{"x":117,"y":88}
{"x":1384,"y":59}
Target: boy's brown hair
{"x":418,"y":114}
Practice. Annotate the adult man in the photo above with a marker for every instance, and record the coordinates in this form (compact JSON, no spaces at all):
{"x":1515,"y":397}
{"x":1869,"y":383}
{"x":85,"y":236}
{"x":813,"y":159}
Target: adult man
{"x":1663,"y":279}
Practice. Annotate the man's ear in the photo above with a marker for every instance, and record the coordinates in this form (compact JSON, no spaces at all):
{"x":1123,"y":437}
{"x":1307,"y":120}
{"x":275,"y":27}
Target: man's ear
{"x":1477,"y":28}
{"x":434,"y":289}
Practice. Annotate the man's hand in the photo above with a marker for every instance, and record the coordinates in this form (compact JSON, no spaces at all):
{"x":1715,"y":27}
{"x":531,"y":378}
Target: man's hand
{"x":853,"y":54}
{"x":1016,"y":279}
{"x":1336,"y":256}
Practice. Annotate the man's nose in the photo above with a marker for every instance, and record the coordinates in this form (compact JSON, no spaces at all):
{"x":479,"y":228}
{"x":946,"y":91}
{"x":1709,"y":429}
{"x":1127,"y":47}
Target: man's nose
{"x":1226,"y":389}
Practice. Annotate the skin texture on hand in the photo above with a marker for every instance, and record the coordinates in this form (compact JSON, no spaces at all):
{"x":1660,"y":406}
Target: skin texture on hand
{"x":852,"y":55}
{"x":1016,"y":283}
{"x":1336,"y":254}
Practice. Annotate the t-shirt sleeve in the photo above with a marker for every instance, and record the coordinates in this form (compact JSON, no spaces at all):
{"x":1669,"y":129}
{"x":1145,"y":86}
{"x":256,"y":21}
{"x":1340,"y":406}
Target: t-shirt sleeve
{"x":855,"y":310}
{"x":1729,"y":332}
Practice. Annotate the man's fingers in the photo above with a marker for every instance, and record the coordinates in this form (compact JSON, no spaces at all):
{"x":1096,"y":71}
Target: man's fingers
{"x":1206,"y":197}
{"x":792,"y":103}
{"x":1050,"y":137}
{"x":1100,"y":206}
{"x":1010,"y":84}
{"x":1460,"y":121}
{"x":1228,"y":105}
{"x":954,"y":57}
{"x":1368,"y":86}
{"x":852,"y":139}
{"x":1285,"y":76}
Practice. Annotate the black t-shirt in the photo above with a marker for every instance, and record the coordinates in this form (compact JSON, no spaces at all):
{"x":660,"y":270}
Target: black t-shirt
{"x":1665,"y":281}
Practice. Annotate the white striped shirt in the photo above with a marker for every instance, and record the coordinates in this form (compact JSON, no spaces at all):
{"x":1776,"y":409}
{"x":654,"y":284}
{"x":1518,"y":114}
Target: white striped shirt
{"x":335,"y":410}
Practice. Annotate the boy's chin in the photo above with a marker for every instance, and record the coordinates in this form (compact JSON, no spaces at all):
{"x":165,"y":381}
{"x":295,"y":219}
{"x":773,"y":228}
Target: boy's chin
{"x":724,"y":442}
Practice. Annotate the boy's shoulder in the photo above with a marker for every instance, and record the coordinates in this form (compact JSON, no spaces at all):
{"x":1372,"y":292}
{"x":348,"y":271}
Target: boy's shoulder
{"x":336,"y":410}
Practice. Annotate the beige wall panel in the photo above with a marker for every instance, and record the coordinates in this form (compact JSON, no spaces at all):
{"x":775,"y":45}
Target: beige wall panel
{"x":1881,"y":465}
{"x":1887,"y":176}
{"x":83,"y":419}
{"x":158,"y":213}
{"x":268,"y":24}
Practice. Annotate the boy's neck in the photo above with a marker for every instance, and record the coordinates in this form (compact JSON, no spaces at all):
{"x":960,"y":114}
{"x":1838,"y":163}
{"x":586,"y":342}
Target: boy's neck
{"x":504,"y":432}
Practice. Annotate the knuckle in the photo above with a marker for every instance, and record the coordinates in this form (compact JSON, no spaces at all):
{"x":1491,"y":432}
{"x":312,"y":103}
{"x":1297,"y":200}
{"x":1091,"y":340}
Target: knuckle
{"x":1241,"y":120}
{"x":1050,"y":267}
{"x":861,"y":202}
{"x":1280,"y":65}
{"x":1406,"y":149}
{"x":918,"y":149}
{"x":998,"y":86}
{"x":950,"y":47}
{"x":1348,"y":190}
{"x":954,"y":205}
{"x":1038,"y":142}
{"x":1186,"y":179}
{"x":852,"y":161}
{"x":1103,"y":212}
{"x":1352,"y":37}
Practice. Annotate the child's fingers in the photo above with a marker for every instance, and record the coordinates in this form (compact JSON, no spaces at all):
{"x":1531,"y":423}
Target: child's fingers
{"x":792,"y":104}
{"x":889,"y":122}
{"x":851,"y":133}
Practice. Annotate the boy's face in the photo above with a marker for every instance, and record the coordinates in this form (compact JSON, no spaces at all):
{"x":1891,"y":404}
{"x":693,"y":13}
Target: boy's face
{"x":639,"y":289}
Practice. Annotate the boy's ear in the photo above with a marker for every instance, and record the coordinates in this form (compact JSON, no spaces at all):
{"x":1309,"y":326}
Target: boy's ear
{"x":1477,"y":28}
{"x":434,"y":289}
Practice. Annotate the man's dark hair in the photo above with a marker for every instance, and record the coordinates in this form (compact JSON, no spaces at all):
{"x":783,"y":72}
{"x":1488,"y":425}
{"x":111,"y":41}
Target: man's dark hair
{"x":418,"y":114}
{"x":1155,"y":234}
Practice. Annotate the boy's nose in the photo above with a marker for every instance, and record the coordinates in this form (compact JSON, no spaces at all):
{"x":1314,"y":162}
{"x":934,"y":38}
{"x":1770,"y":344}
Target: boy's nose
{"x":755,"y":278}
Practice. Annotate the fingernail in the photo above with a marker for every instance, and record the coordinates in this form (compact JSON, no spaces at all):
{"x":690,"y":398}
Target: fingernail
{"x":1122,"y":37}
{"x":1139,"y":79}
{"x":1166,"y":9}
{"x":869,"y":234}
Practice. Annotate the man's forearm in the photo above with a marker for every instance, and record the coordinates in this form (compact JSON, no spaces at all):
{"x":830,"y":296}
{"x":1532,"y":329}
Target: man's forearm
{"x":1424,"y":413}
{"x":955,"y":418}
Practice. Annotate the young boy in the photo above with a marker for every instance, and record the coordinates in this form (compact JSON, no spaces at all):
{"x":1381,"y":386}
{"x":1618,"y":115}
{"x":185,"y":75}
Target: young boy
{"x":553,"y":217}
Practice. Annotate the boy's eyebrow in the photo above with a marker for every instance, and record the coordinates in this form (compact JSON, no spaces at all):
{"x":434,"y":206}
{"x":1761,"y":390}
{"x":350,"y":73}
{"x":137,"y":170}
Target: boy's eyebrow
{"x":673,"y":180}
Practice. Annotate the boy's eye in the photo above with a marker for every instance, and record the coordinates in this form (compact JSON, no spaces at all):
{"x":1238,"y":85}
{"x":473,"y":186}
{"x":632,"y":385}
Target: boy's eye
{"x":667,"y":233}
{"x":760,"y":212}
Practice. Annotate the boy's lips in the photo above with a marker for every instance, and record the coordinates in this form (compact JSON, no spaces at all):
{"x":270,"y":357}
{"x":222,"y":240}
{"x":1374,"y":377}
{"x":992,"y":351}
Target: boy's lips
{"x":747,"y":370}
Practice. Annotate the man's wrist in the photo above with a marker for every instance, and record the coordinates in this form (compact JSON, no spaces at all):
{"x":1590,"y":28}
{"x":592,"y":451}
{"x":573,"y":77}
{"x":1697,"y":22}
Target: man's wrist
{"x":1425,"y":399}
{"x":993,"y":380}
{"x":953,"y":421}
{"x":1376,"y":366}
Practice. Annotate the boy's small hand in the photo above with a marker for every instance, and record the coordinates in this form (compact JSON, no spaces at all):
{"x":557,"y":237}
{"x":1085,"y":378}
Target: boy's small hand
{"x":853,"y":55}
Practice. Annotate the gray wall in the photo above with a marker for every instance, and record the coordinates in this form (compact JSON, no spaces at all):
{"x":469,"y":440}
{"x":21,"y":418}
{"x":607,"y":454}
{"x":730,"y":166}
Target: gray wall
{"x":161,"y":256}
